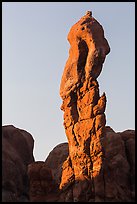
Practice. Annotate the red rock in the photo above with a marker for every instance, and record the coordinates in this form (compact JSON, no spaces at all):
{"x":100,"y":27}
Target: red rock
{"x":45,"y":177}
{"x":17,"y":153}
{"x":117,"y":168}
{"x":113,"y":182}
{"x":86,"y":55}
{"x":55,"y":160}
{"x":41,"y":182}
{"x":98,"y":164}
{"x":84,"y":118}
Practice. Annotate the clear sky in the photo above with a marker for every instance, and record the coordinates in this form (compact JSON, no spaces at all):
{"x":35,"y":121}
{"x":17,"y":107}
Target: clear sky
{"x":34,"y":52}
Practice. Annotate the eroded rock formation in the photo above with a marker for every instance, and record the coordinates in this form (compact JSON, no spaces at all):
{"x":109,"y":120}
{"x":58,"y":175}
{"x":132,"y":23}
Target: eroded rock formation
{"x":42,"y":185}
{"x":17,"y":153}
{"x":45,"y":177}
{"x":118,"y":182}
{"x":84,"y":117}
{"x":97,"y":164}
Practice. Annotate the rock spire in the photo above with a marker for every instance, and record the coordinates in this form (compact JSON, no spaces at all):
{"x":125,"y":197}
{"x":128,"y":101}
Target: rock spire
{"x":84,"y":117}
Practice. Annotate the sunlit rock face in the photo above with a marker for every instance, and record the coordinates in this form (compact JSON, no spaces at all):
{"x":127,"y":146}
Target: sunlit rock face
{"x":88,"y":49}
{"x":117,"y":184}
{"x":84,"y":117}
{"x":17,"y":154}
{"x":97,"y":164}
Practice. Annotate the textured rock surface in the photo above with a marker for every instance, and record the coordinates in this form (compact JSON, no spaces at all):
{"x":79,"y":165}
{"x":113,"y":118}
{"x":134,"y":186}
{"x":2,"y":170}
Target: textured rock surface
{"x":119,"y":164}
{"x":118,"y":184}
{"x":17,"y":153}
{"x":98,"y":164}
{"x":45,"y":176}
{"x":86,"y":55}
{"x":42,"y":185}
{"x":55,"y":159}
{"x":84,"y":118}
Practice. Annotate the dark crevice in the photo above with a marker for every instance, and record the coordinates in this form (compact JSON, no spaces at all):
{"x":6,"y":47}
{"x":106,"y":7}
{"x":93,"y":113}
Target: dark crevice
{"x":74,"y":111}
{"x":83,"y":53}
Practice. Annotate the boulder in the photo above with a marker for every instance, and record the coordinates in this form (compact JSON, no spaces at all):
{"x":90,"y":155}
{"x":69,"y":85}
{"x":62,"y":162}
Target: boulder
{"x":17,"y":153}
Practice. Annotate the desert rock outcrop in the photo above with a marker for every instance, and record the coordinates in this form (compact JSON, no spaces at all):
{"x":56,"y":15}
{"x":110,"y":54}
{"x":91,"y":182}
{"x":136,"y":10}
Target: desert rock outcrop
{"x":118,"y":182}
{"x":97,"y":164}
{"x":84,"y":117}
{"x":45,"y":177}
{"x":17,"y":153}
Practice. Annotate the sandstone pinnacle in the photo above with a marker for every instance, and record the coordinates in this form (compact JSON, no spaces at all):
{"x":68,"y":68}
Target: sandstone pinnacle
{"x":84,"y":117}
{"x":97,"y":164}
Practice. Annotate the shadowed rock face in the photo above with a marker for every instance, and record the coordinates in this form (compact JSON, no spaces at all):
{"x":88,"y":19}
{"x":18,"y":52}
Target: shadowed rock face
{"x":84,"y":118}
{"x":45,"y":177}
{"x":42,"y":185}
{"x":117,"y":185}
{"x":17,"y":153}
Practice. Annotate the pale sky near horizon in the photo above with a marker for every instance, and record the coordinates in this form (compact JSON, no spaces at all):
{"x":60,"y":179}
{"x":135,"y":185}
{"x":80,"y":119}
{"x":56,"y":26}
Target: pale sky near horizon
{"x":34,"y":52}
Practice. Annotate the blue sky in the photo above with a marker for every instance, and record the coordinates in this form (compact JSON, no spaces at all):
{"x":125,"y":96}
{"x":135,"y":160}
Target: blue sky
{"x":34,"y":52}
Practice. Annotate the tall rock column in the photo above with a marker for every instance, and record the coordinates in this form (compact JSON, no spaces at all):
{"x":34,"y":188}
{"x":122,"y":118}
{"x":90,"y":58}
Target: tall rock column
{"x":84,"y":118}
